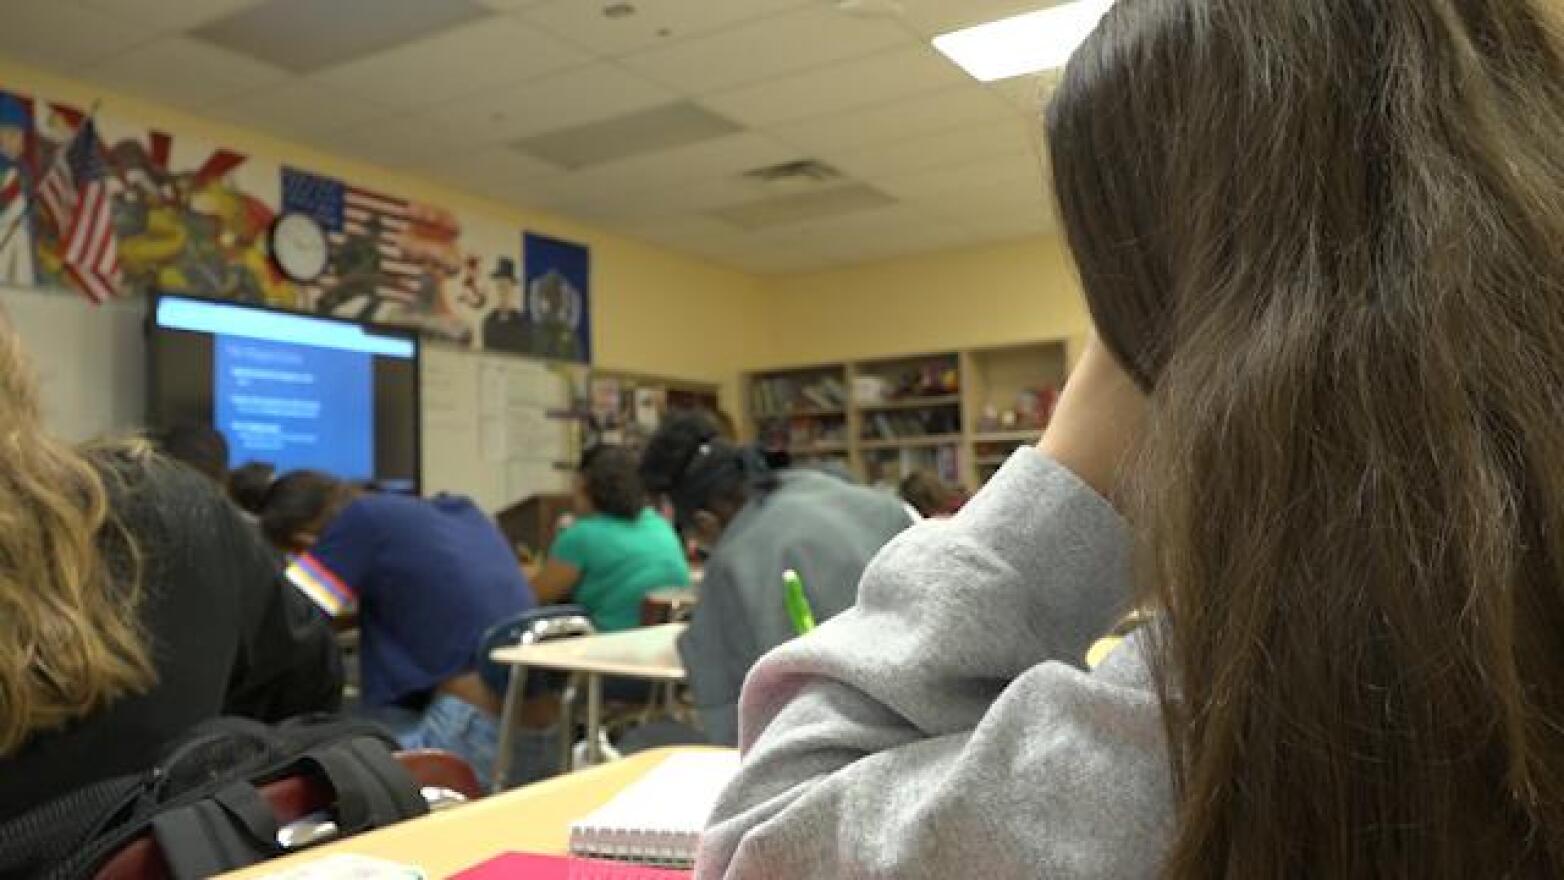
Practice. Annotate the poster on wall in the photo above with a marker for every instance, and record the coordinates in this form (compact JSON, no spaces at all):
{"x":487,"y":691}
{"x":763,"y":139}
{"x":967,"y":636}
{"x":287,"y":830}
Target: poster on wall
{"x":557,"y":293}
{"x":17,"y":166}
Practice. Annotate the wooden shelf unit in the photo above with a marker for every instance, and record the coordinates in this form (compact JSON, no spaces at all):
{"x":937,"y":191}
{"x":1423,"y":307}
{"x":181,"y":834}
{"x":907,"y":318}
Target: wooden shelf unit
{"x":969,"y":433}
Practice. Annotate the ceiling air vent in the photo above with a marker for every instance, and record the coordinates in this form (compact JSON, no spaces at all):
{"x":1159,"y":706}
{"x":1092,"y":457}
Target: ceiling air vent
{"x":800,"y":171}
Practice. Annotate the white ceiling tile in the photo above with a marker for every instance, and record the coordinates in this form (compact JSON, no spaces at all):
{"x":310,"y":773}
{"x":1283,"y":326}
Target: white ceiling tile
{"x":717,"y":158}
{"x":490,"y":52}
{"x":550,"y":103}
{"x":895,"y":121}
{"x":1001,"y":142}
{"x":488,"y":169}
{"x":1024,"y":173}
{"x":770,"y":47}
{"x":862,"y":82}
{"x":982,"y":206}
{"x":934,"y":17}
{"x":182,"y":71}
{"x":654,"y":22}
{"x":305,"y":36}
{"x":167,"y":16}
{"x":401,"y":141}
{"x":508,"y":5}
{"x":63,"y":36}
{"x":297,"y":107}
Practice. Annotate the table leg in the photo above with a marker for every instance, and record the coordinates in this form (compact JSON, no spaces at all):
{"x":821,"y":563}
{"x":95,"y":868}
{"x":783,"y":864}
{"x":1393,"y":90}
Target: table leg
{"x":513,"y":695}
{"x":594,"y":753}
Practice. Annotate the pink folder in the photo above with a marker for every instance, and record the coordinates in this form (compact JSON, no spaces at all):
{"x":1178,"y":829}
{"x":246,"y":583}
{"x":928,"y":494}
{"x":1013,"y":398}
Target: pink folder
{"x":520,"y":866}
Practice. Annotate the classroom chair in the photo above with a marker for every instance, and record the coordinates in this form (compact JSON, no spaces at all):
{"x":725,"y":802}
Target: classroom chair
{"x":302,"y":806}
{"x":528,"y":628}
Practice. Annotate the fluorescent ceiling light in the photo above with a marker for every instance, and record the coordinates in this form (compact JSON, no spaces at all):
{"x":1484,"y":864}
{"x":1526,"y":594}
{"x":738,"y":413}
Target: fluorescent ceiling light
{"x":1026,"y":43}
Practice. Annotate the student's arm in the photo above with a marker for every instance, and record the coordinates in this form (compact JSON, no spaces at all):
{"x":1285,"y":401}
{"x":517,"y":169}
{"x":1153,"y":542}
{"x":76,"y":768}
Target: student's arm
{"x":288,"y":663}
{"x":715,"y":660}
{"x":562,"y":570}
{"x":944,"y":727}
{"x":336,"y":571}
{"x":555,"y":581}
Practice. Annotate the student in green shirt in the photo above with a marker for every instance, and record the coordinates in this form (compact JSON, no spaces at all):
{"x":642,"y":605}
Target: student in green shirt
{"x":617,"y":551}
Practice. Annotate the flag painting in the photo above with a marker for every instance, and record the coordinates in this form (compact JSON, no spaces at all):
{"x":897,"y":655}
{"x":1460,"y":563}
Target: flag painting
{"x":390,"y":258}
{"x":75,"y":193}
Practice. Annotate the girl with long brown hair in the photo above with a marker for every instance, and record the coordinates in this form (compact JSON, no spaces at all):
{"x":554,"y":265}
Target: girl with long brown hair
{"x":1321,"y":242}
{"x":134,"y":603}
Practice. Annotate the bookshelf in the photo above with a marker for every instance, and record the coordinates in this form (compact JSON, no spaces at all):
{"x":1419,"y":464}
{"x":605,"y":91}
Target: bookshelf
{"x":959,"y":413}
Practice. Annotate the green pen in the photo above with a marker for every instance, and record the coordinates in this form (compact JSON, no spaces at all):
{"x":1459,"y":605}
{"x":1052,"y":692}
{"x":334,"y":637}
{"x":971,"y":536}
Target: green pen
{"x":797,"y":603}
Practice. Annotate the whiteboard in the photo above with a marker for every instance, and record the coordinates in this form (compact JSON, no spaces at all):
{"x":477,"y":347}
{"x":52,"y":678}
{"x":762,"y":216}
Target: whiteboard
{"x":488,"y":433}
{"x":92,"y":363}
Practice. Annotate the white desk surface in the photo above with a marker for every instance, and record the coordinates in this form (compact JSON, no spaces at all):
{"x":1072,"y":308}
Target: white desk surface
{"x":650,"y":653}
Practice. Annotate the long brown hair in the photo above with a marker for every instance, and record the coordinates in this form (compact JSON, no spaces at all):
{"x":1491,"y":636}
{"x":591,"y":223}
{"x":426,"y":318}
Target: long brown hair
{"x":69,"y":641}
{"x":1328,"y":237}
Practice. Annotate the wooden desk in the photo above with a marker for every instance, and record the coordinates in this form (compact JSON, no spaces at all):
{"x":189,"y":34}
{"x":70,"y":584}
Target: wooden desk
{"x":649,"y":653}
{"x":535,"y":819}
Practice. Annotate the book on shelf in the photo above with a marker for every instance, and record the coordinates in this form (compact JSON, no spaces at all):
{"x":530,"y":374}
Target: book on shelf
{"x":779,"y":396}
{"x":912,"y":423}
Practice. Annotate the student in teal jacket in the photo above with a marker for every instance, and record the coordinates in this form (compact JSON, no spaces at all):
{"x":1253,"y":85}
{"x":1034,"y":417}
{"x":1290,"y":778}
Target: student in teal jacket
{"x":618,"y":549}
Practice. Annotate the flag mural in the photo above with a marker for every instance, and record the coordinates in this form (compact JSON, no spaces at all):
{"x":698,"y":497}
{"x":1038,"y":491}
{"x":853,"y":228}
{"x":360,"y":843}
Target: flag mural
{"x":392,"y":260}
{"x":75,"y":192}
{"x":113,"y":208}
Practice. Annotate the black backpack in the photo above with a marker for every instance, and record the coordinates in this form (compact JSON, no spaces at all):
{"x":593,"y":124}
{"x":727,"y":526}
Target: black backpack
{"x":202,"y":804}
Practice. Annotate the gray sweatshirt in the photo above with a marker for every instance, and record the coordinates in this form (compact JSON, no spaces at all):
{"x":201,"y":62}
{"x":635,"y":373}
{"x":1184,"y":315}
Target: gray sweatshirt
{"x":824,"y":528}
{"x":945,"y":727}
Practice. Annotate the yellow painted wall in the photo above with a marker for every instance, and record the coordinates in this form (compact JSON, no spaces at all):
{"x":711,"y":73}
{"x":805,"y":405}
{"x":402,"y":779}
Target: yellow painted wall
{"x":986,"y":296}
{"x":648,"y":304}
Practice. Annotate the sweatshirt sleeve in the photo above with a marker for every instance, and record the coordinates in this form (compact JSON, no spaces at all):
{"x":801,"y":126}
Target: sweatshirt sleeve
{"x":945,"y":726}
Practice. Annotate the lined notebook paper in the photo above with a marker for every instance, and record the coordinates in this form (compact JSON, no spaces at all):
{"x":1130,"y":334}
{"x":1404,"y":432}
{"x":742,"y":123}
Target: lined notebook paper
{"x":658,"y":820}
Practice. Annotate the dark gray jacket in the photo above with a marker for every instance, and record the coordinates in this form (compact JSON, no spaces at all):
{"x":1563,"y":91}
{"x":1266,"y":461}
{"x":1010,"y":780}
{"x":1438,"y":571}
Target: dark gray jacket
{"x":818,"y":525}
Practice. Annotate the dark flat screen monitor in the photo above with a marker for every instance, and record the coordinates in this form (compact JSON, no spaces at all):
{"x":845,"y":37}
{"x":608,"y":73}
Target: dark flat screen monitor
{"x":289,"y":389}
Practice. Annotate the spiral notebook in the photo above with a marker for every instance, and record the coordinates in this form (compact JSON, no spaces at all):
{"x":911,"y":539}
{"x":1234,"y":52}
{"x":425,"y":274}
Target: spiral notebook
{"x":658,"y":820}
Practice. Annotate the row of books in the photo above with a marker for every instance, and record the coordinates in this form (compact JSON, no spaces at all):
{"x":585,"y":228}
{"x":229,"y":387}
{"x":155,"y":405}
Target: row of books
{"x":778,"y":396}
{"x":912,"y":423}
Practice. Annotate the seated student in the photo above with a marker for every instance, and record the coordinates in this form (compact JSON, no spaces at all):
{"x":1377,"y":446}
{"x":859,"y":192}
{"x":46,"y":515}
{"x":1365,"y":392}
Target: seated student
{"x":136,"y":604}
{"x":201,"y":447}
{"x":618,"y":549}
{"x":428,"y":578}
{"x":1320,"y":241}
{"x":756,"y":525}
{"x":248,"y":484}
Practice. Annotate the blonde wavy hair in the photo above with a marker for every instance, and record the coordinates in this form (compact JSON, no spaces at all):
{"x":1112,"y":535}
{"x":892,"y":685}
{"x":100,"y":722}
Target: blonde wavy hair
{"x":69,"y":573}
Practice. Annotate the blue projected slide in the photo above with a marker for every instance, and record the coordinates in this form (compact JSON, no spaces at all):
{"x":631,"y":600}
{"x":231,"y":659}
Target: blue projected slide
{"x":296,"y":405}
{"x":291,"y":390}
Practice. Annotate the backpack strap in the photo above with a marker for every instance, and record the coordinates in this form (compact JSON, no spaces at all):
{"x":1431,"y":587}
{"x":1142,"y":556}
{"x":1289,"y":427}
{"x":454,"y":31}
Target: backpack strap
{"x":232,"y":828}
{"x":372,"y":789}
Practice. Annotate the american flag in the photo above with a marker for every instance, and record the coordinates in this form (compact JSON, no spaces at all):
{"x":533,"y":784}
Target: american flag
{"x":353,"y":219}
{"x":75,"y":194}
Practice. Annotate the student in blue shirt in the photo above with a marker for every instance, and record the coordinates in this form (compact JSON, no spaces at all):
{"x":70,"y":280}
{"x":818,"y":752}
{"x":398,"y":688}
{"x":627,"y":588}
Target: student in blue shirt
{"x":428,"y":578}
